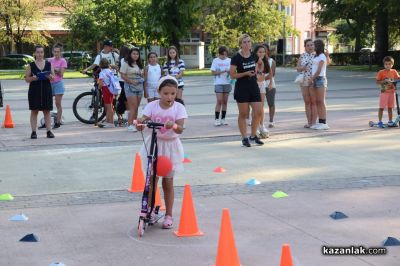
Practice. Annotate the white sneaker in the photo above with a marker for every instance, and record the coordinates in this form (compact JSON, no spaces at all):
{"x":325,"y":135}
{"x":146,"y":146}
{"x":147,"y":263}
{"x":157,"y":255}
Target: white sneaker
{"x":315,"y":126}
{"x":322,"y":126}
{"x":217,"y":123}
{"x":223,"y":122}
{"x":132,"y":128}
{"x":271,"y":124}
{"x":106,"y":125}
{"x":263,"y":132}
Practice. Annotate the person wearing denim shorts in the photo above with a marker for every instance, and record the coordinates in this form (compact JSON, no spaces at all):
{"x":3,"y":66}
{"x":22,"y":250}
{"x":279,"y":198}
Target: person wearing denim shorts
{"x":320,"y":83}
{"x":222,"y":84}
{"x":59,"y":65}
{"x":132,"y":73}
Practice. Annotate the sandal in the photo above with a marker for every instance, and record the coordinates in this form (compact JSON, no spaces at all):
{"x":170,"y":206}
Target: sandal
{"x":167,"y":223}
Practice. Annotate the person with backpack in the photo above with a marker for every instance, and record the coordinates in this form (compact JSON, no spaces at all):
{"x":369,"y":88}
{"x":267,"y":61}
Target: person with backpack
{"x":109,"y":54}
{"x":106,"y":83}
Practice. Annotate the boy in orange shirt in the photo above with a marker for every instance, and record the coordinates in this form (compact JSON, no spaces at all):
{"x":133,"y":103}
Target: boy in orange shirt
{"x":385,"y":79}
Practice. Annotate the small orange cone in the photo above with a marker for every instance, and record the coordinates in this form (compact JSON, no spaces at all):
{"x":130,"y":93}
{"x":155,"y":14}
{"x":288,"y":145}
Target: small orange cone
{"x":187,"y":160}
{"x":8,"y":123}
{"x":137,"y":176}
{"x":286,"y":258}
{"x":219,"y":170}
{"x":188,"y":223}
{"x":227,"y":253}
{"x":158,"y":200}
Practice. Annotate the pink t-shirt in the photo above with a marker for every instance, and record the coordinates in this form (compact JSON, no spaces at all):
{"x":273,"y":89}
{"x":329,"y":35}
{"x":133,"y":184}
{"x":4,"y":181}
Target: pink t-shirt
{"x":57,"y":64}
{"x":157,"y":114}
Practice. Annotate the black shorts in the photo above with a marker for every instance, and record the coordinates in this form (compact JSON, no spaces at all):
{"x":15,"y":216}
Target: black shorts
{"x":247,"y":94}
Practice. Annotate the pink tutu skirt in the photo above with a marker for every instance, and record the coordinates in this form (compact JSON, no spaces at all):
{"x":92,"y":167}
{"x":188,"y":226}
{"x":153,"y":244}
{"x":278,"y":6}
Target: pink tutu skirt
{"x":172,"y":149}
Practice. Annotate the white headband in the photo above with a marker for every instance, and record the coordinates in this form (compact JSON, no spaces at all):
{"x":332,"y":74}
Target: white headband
{"x":161,"y":80}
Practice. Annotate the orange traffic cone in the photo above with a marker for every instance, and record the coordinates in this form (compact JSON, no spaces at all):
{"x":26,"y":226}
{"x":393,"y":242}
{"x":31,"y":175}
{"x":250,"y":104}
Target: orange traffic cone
{"x":186,"y":160}
{"x":188,"y":223}
{"x":219,"y":170}
{"x":227,"y":253}
{"x":286,"y":258}
{"x":8,"y":123}
{"x":137,"y":176}
{"x":158,"y":200}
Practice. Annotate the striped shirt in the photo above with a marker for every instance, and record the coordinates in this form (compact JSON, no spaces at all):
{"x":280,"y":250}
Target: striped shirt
{"x":170,"y":68}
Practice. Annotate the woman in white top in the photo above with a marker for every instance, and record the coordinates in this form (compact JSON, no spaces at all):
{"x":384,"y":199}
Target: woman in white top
{"x":319,"y":83}
{"x":304,"y":66}
{"x":152,"y":74}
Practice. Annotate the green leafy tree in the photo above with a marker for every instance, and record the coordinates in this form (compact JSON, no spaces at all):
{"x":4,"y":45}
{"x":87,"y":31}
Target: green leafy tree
{"x":226,"y":20}
{"x":92,"y":21}
{"x":17,"y":19}
{"x":168,"y":21}
{"x":362,"y":17}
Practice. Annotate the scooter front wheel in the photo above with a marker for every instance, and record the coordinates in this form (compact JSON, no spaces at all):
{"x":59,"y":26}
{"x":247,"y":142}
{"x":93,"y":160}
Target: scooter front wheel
{"x":141,"y":227}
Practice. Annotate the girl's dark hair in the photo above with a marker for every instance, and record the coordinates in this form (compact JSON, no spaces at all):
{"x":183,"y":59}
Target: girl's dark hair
{"x":266,"y":64}
{"x":38,"y":46}
{"x":123,"y":52}
{"x":222,"y":50}
{"x":168,"y":82}
{"x":177,"y":55}
{"x":104,"y":63}
{"x":319,"y":47}
{"x":306,"y":41}
{"x":57,"y":45}
{"x":151,"y":53}
{"x":130,"y":60}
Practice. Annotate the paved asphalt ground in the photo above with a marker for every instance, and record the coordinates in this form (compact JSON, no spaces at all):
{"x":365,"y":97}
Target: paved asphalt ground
{"x":73,"y":187}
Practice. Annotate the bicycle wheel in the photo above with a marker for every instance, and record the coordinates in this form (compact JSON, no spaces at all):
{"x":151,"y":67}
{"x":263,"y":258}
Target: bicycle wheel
{"x":96,"y":107}
{"x":83,"y":107}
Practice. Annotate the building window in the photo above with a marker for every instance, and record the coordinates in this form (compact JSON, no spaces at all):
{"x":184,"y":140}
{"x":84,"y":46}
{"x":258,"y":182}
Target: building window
{"x":188,"y":50}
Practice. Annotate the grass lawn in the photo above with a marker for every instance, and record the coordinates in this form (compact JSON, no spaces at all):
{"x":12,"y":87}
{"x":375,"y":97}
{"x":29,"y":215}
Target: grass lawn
{"x":19,"y":74}
{"x":72,"y":74}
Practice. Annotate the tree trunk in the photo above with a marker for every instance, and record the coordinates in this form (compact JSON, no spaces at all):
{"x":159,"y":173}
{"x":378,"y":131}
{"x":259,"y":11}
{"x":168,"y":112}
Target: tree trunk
{"x":357,"y":44}
{"x":18,"y":45}
{"x":175,"y":41}
{"x":381,"y":32}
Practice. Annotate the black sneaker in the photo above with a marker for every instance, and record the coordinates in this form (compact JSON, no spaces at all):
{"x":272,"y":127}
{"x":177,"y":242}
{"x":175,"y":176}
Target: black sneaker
{"x":245,"y":142}
{"x":50,"y":134}
{"x":57,"y":125}
{"x":33,"y":135}
{"x":256,"y":140}
{"x":42,"y":126}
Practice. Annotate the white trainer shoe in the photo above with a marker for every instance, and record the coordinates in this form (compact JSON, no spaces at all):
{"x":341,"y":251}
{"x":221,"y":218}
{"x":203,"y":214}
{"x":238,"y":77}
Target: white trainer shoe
{"x":223,"y":122}
{"x":132,"y":128}
{"x":217,"y":123}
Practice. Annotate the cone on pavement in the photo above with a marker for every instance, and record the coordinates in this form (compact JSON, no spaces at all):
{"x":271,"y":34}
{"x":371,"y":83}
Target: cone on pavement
{"x":188,"y":222}
{"x":227,"y":254}
{"x":219,"y":170}
{"x":137,"y":176}
{"x":186,"y":160}
{"x":158,"y":200}
{"x":286,"y":257}
{"x":8,"y":123}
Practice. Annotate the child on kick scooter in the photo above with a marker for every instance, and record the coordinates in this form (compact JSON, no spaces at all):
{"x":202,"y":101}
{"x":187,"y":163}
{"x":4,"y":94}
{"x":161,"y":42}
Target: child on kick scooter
{"x":169,"y":112}
{"x":385,"y":79}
